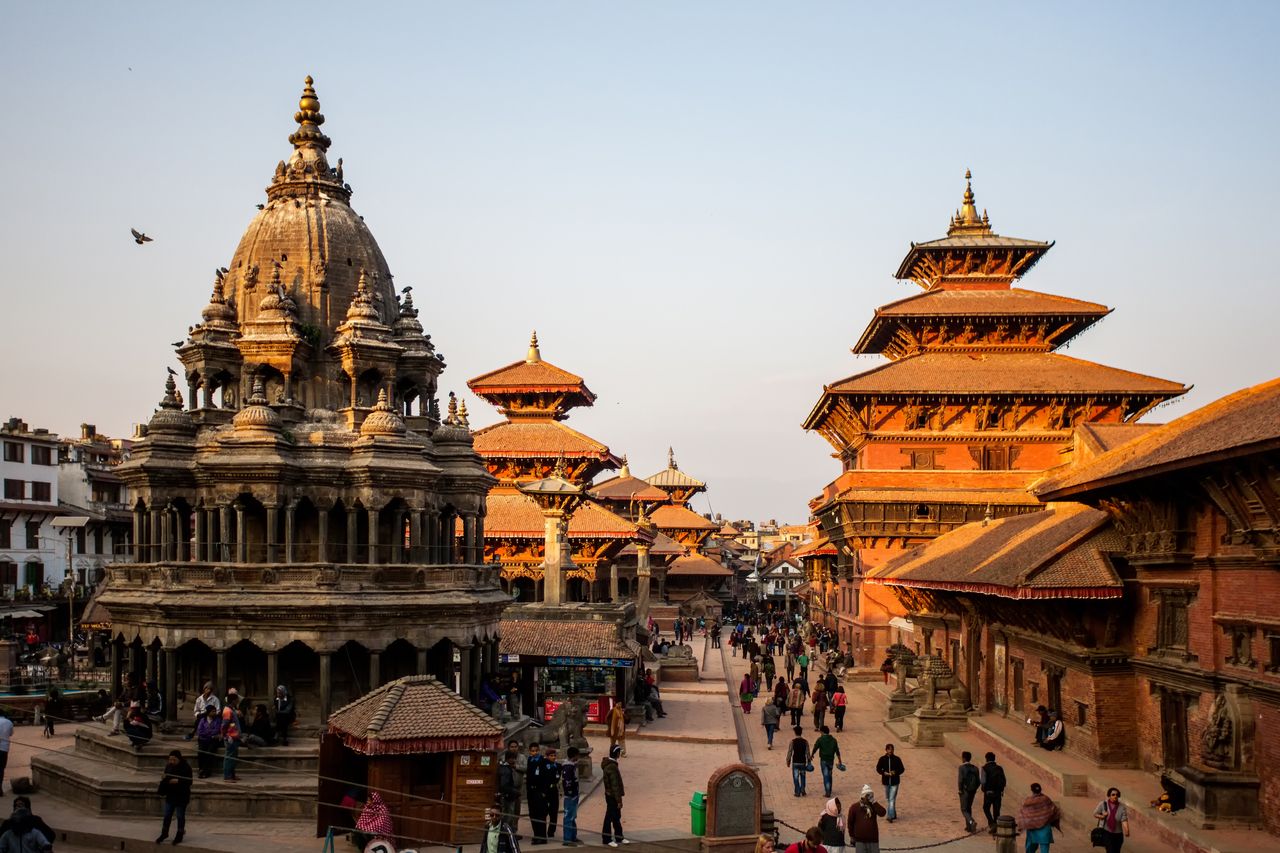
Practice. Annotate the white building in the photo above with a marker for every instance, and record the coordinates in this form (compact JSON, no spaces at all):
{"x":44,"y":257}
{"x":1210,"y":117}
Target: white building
{"x":32,"y":551}
{"x":88,"y":487}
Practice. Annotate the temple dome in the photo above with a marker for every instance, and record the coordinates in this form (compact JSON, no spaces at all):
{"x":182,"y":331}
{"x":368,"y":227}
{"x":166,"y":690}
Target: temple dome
{"x":256,"y":415}
{"x":170,"y":417}
{"x":383,"y":420}
{"x":308,"y":228}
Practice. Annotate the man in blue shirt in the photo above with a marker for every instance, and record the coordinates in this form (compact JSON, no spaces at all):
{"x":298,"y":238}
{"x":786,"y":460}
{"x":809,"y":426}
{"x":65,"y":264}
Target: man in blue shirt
{"x":569,"y":772}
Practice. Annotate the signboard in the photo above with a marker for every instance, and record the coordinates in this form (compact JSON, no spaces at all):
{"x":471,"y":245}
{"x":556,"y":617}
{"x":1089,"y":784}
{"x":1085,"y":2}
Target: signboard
{"x":590,"y":662}
{"x":509,"y":658}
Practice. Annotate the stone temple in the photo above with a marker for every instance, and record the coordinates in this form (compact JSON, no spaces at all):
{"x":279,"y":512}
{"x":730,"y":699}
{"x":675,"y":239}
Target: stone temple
{"x":305,"y":517}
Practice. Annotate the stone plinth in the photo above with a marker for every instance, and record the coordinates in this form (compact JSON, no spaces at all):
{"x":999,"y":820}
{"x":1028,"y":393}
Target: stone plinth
{"x":679,"y":664}
{"x":929,"y":726}
{"x":1216,"y":799}
{"x":901,"y":704}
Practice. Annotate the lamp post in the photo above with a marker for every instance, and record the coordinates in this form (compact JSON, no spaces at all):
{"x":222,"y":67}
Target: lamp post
{"x":557,"y":498}
{"x":71,"y":523}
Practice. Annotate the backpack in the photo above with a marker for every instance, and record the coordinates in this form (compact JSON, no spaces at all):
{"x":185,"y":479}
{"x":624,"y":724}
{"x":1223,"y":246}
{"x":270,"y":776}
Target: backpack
{"x":970,"y":781}
{"x":995,"y":778}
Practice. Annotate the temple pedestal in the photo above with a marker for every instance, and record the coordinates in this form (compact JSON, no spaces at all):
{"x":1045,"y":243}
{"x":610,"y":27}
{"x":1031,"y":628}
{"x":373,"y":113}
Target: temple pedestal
{"x":901,"y":705}
{"x":929,"y":725}
{"x":1216,"y":799}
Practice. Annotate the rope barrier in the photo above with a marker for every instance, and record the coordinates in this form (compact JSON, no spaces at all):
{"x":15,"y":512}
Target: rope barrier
{"x":890,"y":849}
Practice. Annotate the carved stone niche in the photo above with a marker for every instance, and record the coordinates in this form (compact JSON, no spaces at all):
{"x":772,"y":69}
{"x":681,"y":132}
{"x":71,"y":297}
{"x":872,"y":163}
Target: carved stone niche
{"x":1227,"y":794}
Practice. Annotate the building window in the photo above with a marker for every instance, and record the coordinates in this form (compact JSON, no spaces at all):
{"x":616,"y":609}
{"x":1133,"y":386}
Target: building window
{"x":8,"y":575}
{"x":1241,"y":645}
{"x":80,"y":540}
{"x":35,"y":575}
{"x":1082,"y":713}
{"x":33,"y":536}
{"x":6,"y":533}
{"x":12,"y":451}
{"x":97,"y":540}
{"x":41,"y":455}
{"x":41,"y":491}
{"x":15,"y":490}
{"x":922,"y":511}
{"x":1273,"y":646}
{"x":1172,"y":622}
{"x":1035,"y":692}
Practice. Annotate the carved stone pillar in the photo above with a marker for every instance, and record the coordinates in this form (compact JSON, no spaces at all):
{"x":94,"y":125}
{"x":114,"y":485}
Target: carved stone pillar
{"x":273,"y":672}
{"x":415,"y":536}
{"x":613,"y":581}
{"x":373,"y":537}
{"x":375,"y":670}
{"x":198,"y":525}
{"x":273,"y":518}
{"x":193,"y":386}
{"x":242,"y":545}
{"x":289,"y":512}
{"x":154,"y":534}
{"x":326,"y":685}
{"x":643,"y":576}
{"x":139,"y":526}
{"x":353,"y":529}
{"x":469,"y":538}
{"x":220,"y":672}
{"x":422,"y":662}
{"x":322,"y":546}
{"x":224,"y":537}
{"x":170,"y":684}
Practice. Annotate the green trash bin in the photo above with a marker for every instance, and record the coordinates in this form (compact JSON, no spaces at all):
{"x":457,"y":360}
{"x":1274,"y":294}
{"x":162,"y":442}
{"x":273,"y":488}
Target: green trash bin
{"x":698,"y":813}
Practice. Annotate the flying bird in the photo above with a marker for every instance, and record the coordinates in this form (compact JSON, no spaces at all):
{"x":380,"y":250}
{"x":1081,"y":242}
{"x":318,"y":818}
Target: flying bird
{"x":139,"y":237}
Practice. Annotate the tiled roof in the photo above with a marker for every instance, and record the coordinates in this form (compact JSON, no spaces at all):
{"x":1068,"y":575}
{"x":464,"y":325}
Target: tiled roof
{"x":415,"y":714}
{"x":1244,"y":422}
{"x":513,"y":515}
{"x":926,"y":495}
{"x":1058,"y":553}
{"x":538,"y":439}
{"x":663,"y":546}
{"x":1103,"y":438}
{"x":934,"y":373}
{"x":562,"y":638}
{"x":674,"y":477}
{"x":820,"y":547}
{"x":1013,"y":302}
{"x":627,"y":489}
{"x":729,"y":530}
{"x":697,"y":564}
{"x":528,"y":376}
{"x":964,"y":487}
{"x":672,"y":517}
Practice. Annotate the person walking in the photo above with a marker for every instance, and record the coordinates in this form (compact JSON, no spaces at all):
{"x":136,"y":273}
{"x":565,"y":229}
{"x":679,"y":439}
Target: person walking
{"x":863,"y":823}
{"x":890,"y":768}
{"x":286,"y":713}
{"x":617,"y":723}
{"x":993,"y":782}
{"x":798,"y":758}
{"x":1113,"y":820}
{"x":746,"y":692}
{"x":769,"y":668}
{"x":831,"y":822}
{"x":1037,"y":818}
{"x":827,"y":749}
{"x":839,"y":704}
{"x":771,"y":717}
{"x":498,"y":835}
{"x":509,"y":789}
{"x":175,"y":787}
{"x":968,"y":781}
{"x":803,"y":663}
{"x":534,"y":789}
{"x":208,"y":741}
{"x":569,"y":783}
{"x":789,"y":665}
{"x":795,"y":702}
{"x":551,"y":778}
{"x":611,"y":833}
{"x":6,"y":733}
{"x":819,"y":706}
{"x":829,"y":683}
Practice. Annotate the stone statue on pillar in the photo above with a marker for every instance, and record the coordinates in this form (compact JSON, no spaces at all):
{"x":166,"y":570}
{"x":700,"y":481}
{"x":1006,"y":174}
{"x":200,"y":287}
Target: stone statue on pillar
{"x":557,"y":497}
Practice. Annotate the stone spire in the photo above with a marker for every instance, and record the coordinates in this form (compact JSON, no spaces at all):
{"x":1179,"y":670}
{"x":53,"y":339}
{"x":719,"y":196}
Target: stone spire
{"x":309,"y":119}
{"x":170,"y":417}
{"x":362,"y":307}
{"x":671,"y":459}
{"x":535,"y":355}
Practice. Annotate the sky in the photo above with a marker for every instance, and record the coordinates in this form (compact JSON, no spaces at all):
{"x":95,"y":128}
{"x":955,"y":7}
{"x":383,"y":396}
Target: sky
{"x":697,"y":205}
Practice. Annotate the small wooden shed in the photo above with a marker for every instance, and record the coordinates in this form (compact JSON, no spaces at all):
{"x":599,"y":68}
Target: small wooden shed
{"x":430,"y":753}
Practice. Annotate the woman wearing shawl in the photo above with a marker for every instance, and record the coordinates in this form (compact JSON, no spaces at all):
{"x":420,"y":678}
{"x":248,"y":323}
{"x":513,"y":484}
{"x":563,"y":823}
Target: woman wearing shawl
{"x":1113,"y":818}
{"x":746,"y":692}
{"x":374,"y":822}
{"x":1036,"y":818}
{"x":831,"y":822}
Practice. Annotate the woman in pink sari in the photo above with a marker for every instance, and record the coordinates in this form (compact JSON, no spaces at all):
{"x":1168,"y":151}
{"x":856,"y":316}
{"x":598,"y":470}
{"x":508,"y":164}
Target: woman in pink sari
{"x":746,"y":692}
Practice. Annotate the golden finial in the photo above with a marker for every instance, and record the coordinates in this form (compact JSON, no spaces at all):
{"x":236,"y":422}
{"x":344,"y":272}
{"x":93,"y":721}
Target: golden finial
{"x":382,"y":405}
{"x":626,"y":467}
{"x":453,"y":409}
{"x":309,"y":105}
{"x":535,"y":355}
{"x":462,"y":414}
{"x":671,"y":459}
{"x":966,"y":220}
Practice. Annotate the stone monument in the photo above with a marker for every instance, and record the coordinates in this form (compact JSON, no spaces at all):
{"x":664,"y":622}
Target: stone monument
{"x":734,"y":804}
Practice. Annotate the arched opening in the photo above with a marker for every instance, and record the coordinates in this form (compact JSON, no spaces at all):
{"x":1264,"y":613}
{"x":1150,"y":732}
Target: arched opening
{"x":299,"y":668}
{"x":440,"y":662}
{"x":367,"y":386}
{"x":336,"y":550}
{"x":575,"y":589}
{"x":398,"y":660}
{"x":306,"y":531}
{"x":196,"y":664}
{"x":349,"y":674}
{"x":393,"y":532}
{"x":247,"y":672}
{"x":251,"y":539}
{"x":524,"y":590}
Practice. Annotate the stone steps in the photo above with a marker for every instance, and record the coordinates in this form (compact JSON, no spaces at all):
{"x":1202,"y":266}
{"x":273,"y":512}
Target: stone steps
{"x":93,"y":741}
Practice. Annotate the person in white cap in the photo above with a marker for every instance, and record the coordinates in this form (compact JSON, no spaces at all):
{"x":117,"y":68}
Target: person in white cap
{"x":863,"y":823}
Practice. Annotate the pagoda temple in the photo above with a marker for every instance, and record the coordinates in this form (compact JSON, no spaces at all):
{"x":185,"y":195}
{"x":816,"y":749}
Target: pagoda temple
{"x":531,"y":444}
{"x":973,"y":403}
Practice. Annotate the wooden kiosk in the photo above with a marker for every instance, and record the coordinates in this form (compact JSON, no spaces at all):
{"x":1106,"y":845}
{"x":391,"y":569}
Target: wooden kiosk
{"x":430,"y":754}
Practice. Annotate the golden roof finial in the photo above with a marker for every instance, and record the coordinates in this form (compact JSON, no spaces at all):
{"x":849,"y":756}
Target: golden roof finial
{"x":671,"y":459}
{"x":309,"y":120}
{"x":453,"y":409}
{"x":626,"y":467}
{"x":966,"y":219}
{"x":535,"y":355}
{"x":462,"y":415}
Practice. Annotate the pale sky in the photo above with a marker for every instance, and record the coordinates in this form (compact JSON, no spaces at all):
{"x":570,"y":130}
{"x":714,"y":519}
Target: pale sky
{"x":697,"y":205}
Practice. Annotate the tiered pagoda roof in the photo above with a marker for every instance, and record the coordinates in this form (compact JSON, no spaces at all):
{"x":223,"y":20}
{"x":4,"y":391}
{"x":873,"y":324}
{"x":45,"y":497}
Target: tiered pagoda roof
{"x":532,"y":388}
{"x":676,"y":483}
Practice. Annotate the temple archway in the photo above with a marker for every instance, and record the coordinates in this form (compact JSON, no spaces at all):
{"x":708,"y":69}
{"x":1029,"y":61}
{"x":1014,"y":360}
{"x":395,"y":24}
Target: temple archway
{"x":247,"y":672}
{"x":349,"y":674}
{"x":398,"y":660}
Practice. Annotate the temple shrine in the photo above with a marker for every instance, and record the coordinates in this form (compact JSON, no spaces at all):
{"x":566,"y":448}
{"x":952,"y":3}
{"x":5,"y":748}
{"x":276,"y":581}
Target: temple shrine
{"x":973,"y":403}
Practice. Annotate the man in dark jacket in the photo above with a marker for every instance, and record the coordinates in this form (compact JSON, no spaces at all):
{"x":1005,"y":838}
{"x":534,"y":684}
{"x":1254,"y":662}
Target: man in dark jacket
{"x":175,"y":787}
{"x":23,"y":820}
{"x":509,"y":789}
{"x":890,"y":769}
{"x":569,"y":778}
{"x":534,"y":793}
{"x":993,"y":782}
{"x":550,"y":779}
{"x":968,"y":781}
{"x":611,"y":834}
{"x":498,"y":837}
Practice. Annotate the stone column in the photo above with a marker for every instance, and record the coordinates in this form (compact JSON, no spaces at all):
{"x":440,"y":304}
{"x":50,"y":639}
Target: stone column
{"x":326,"y":685}
{"x":242,"y":546}
{"x":206,"y":389}
{"x":373,"y":537}
{"x":415,"y":537}
{"x":613,"y":580}
{"x":170,"y":684}
{"x":555,"y":528}
{"x":464,"y":671}
{"x":198,"y":521}
{"x":139,"y":524}
{"x":117,"y":664}
{"x":469,"y":538}
{"x":269,"y":539}
{"x":220,"y":673}
{"x":479,"y":538}
{"x":432,"y":521}
{"x":375,"y":670}
{"x":289,"y":513}
{"x":422,"y":661}
{"x":322,"y":547}
{"x":154,"y":528}
{"x":643,"y":575}
{"x":273,"y":673}
{"x":353,"y":529}
{"x":193,"y":386}
{"x":224,"y":533}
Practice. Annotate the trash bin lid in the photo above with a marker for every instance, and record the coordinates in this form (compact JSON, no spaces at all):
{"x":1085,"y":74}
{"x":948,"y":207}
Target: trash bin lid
{"x":699,"y":799}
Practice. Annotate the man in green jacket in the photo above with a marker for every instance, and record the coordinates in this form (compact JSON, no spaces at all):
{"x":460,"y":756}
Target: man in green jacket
{"x":828,"y":751}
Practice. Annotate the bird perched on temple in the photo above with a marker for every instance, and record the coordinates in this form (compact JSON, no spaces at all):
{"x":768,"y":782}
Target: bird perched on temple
{"x":172,"y":372}
{"x":175,"y":345}
{"x":139,"y":237}
{"x":260,"y":206}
